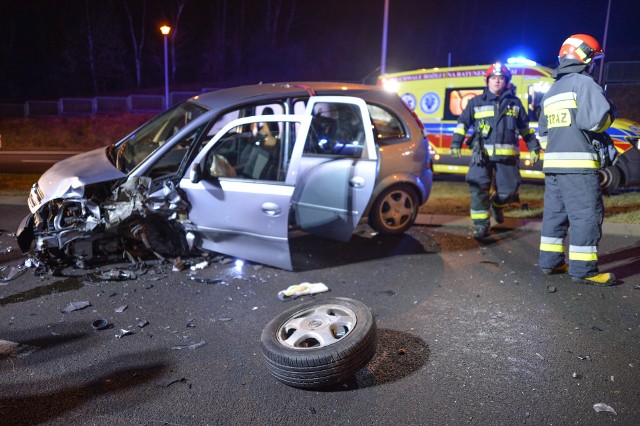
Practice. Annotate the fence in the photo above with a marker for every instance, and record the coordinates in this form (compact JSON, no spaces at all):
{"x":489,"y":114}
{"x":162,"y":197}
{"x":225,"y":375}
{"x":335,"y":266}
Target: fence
{"x":620,"y":74}
{"x":97,"y":105}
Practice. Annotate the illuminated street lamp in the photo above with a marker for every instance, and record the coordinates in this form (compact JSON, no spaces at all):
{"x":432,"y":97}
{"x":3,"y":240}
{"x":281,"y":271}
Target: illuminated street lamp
{"x":165,"y":30}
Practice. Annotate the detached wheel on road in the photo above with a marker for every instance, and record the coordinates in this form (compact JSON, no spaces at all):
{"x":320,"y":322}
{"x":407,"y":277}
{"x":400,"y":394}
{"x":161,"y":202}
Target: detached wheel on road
{"x":395,"y":210}
{"x":610,"y":179}
{"x":319,"y":344}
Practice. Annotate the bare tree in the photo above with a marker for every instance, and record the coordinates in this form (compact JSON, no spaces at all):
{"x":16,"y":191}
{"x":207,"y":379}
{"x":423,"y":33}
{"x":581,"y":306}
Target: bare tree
{"x":138,"y":42}
{"x":175,"y":23}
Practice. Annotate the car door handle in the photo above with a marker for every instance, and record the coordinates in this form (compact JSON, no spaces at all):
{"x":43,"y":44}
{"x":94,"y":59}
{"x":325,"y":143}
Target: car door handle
{"x":356,"y":182}
{"x":271,"y":209}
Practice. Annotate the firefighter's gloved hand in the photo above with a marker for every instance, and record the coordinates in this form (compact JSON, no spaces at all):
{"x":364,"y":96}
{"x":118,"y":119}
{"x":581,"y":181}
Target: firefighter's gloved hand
{"x":535,"y":156}
{"x":455,"y":152}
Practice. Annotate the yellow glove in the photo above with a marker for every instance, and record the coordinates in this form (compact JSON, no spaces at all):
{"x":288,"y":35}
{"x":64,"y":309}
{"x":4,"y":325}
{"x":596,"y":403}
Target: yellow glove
{"x":535,"y":156}
{"x":455,"y":152}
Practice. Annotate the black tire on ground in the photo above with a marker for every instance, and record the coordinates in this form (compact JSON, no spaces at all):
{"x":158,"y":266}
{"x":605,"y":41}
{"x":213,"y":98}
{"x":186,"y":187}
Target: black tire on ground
{"x":610,"y":179}
{"x":395,"y":210}
{"x":321,"y":343}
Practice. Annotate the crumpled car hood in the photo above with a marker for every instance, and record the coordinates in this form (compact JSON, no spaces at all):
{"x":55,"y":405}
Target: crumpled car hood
{"x":68,"y":178}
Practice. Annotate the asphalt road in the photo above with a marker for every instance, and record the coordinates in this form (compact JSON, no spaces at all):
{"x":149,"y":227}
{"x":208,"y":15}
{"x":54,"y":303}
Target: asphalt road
{"x":469,"y":333}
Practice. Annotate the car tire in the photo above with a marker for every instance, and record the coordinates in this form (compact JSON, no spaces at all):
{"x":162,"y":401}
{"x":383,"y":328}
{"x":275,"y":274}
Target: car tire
{"x":610,"y":179}
{"x":319,"y":344}
{"x":395,"y":210}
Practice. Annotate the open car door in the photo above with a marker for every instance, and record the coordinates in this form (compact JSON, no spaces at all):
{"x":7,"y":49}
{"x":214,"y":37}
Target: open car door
{"x":338,"y":166}
{"x":243,"y":183}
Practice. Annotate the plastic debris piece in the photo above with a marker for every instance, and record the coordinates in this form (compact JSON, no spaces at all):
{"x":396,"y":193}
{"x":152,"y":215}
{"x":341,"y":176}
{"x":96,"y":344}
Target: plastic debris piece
{"x":191,"y":346}
{"x":551,"y":289}
{"x":121,"y":309}
{"x":302,"y":289}
{"x":200,"y":265}
{"x":178,"y":265}
{"x":75,"y":306}
{"x":143,"y":323}
{"x":100,"y":324}
{"x":123,"y":333}
{"x":209,"y":280}
{"x":224,"y":319}
{"x":600,"y":406}
{"x":15,"y":349}
{"x":13,"y":274}
{"x":169,"y":382}
{"x":576,"y":376}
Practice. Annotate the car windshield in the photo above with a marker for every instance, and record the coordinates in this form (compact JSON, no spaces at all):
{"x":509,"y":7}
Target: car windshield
{"x":155,"y":133}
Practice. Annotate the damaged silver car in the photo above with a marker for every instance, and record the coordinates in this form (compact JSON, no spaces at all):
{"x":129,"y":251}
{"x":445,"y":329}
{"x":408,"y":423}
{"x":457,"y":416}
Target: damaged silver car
{"x":235,"y":171}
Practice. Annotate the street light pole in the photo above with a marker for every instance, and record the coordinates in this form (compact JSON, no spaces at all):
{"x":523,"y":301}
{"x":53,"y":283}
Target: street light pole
{"x":604,"y":45}
{"x":165,"y":30}
{"x":385,"y":24}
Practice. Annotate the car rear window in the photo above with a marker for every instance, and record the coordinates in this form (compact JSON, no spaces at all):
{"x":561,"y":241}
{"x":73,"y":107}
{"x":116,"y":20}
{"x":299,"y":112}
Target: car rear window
{"x":386,"y":125}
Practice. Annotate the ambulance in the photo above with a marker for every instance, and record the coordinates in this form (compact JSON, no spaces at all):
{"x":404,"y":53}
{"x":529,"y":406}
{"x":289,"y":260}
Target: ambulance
{"x":439,"y":95}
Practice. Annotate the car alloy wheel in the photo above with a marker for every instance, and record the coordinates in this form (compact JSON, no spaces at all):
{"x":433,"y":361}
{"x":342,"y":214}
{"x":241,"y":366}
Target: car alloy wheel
{"x":319,"y":344}
{"x":395,"y":210}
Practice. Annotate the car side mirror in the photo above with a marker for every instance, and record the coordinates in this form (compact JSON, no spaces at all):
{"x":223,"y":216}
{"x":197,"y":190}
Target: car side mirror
{"x":195,"y":174}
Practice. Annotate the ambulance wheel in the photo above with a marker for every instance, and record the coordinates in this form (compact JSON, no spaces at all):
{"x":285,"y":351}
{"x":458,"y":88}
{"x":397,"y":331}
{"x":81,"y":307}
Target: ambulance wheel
{"x":610,"y":179}
{"x":395,"y":210}
{"x":319,"y":344}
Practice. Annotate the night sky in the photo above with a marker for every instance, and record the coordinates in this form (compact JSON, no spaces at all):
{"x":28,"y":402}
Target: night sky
{"x":44,"y":51}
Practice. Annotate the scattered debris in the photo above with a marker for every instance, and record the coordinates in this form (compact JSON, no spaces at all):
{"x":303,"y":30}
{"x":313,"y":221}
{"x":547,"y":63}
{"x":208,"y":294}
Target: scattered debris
{"x":576,"y":376}
{"x":178,"y":265}
{"x":14,"y":273}
{"x":123,"y":333}
{"x":14,"y":349}
{"x":224,"y":319}
{"x":551,"y":289}
{"x":200,"y":265}
{"x":209,"y":280}
{"x":75,"y":306}
{"x":100,"y":324}
{"x":169,"y":382}
{"x":191,"y":346}
{"x":143,"y":323}
{"x":302,"y":289}
{"x":584,"y":358}
{"x":603,"y":407}
{"x":115,"y":275}
{"x":121,"y":309}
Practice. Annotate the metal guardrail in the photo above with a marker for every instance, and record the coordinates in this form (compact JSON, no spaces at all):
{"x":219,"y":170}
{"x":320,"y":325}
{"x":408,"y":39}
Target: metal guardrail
{"x":96,"y":105}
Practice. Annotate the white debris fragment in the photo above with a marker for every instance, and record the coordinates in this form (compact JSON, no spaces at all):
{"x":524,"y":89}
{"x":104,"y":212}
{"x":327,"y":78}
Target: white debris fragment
{"x":121,"y":309}
{"x":75,"y":306}
{"x":200,"y":265}
{"x":123,"y":333}
{"x":302,"y":289}
{"x":603,"y":407}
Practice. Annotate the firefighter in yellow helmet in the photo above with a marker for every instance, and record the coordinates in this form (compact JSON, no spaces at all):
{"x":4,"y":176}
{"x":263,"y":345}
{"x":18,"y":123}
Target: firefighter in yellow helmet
{"x":575,"y":113}
{"x":497,"y":117}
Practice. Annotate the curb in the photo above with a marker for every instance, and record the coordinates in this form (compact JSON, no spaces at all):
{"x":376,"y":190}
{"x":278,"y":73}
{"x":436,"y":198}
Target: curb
{"x":525,"y":224}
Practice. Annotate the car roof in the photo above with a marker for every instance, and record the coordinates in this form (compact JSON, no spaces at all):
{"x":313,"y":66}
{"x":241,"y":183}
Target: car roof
{"x":222,"y":99}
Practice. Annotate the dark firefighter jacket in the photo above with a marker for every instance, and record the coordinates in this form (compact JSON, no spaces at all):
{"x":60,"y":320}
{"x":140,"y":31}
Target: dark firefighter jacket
{"x":498,"y":119}
{"x":573,"y":109}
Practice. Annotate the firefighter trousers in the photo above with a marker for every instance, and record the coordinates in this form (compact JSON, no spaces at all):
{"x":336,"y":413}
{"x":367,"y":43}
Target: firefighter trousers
{"x":506,"y":184}
{"x":573,"y":205}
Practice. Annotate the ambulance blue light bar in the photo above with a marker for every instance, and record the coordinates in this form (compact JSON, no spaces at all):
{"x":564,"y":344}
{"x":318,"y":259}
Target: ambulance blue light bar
{"x":521,"y":60}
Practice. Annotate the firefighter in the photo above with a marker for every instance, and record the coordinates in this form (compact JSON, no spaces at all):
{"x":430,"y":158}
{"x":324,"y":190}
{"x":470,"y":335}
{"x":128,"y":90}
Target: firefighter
{"x":575,"y":111}
{"x":497,"y":116}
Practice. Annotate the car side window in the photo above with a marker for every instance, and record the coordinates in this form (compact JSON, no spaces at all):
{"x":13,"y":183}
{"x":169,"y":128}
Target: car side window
{"x":386,"y":125}
{"x":336,"y":129}
{"x":254,"y":151}
{"x":170,"y":161}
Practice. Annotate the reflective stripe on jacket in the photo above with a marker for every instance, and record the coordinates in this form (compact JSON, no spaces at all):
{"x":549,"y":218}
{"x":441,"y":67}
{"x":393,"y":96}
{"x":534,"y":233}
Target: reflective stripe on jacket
{"x":499,"y":119}
{"x":572,"y":110}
